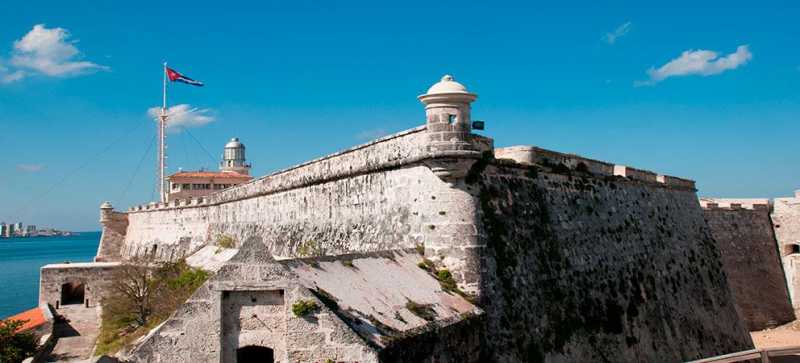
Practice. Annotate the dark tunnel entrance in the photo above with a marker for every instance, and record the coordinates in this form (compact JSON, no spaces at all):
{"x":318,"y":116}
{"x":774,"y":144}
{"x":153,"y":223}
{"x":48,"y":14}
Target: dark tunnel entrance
{"x":72,"y":293}
{"x":254,"y":354}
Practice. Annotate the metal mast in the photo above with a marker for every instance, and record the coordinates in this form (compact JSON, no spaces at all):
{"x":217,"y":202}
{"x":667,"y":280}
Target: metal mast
{"x":162,"y":142}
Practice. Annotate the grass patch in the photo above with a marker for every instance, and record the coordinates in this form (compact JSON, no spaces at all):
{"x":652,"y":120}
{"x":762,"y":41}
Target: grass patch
{"x":304,"y":307}
{"x":427,"y":265}
{"x":446,"y":280}
{"x":424,"y":311}
{"x":348,"y":263}
{"x":420,"y":249}
{"x":226,"y":241}
{"x":309,"y":249}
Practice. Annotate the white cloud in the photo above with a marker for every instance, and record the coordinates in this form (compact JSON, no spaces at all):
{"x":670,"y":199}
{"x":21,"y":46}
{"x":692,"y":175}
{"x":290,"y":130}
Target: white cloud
{"x":8,"y":76}
{"x":699,"y":62}
{"x":621,"y":30}
{"x":183,"y":116}
{"x":46,"y":51}
{"x":30,"y":168}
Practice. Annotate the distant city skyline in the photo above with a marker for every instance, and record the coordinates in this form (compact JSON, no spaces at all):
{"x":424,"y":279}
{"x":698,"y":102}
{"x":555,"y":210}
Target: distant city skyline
{"x":18,"y":229}
{"x":706,"y":92}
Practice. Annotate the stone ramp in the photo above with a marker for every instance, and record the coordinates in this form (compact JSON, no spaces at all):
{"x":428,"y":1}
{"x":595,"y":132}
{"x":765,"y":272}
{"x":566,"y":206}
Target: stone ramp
{"x":75,"y":336}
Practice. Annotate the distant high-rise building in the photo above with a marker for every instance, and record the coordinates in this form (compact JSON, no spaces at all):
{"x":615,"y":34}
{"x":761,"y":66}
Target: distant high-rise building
{"x":10,"y":230}
{"x":30,"y":230}
{"x":3,"y":230}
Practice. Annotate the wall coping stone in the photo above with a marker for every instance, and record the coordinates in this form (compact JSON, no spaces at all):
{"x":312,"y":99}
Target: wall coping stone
{"x":729,"y":203}
{"x":528,"y":154}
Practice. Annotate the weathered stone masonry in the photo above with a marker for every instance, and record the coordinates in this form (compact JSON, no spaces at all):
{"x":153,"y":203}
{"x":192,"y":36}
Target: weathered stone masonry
{"x":786,"y":221}
{"x":361,"y":316}
{"x":593,"y":267}
{"x":93,"y":277}
{"x":115,"y":226}
{"x":572,"y":259}
{"x":375,"y":197}
{"x":743,"y":231}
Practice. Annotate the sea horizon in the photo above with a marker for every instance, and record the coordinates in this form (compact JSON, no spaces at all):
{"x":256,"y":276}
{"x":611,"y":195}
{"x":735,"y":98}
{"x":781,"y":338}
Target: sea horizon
{"x":23,"y":257}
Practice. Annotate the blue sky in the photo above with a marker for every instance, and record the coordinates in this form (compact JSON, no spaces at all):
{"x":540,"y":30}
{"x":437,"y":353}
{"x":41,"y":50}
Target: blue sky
{"x":631,"y":83}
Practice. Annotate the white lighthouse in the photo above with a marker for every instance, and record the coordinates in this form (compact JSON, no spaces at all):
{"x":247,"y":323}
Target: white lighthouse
{"x":233,"y":159}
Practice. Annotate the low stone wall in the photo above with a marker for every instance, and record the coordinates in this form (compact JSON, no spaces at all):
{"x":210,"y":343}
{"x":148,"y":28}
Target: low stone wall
{"x":93,"y":276}
{"x":584,"y":268}
{"x":743,"y":231}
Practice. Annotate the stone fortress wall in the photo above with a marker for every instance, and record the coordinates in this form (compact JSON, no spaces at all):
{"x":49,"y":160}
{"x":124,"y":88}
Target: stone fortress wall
{"x":572,"y":259}
{"x":786,"y":221}
{"x":115,"y":226}
{"x":373,"y":197}
{"x":602,"y":267}
{"x":750,"y":256}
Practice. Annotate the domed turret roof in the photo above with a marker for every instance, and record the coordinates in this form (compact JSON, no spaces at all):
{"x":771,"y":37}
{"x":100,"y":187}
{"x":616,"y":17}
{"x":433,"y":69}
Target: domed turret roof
{"x":234,"y":144}
{"x":447,"y":85}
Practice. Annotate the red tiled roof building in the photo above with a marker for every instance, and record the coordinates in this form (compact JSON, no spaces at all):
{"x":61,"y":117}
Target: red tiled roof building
{"x":234,"y":170}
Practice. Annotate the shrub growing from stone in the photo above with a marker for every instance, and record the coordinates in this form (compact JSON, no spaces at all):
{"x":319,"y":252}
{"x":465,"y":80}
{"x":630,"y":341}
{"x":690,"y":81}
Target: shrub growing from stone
{"x":141,"y":297}
{"x":226,"y":241}
{"x":304,"y":307}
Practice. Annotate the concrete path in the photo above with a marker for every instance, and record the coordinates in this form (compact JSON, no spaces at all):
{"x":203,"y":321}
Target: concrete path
{"x":76,"y":336}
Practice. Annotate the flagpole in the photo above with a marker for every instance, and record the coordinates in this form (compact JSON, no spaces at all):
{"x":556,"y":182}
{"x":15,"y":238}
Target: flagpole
{"x":162,"y":140}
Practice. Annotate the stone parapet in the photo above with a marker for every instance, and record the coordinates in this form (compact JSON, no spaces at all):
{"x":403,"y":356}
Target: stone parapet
{"x":393,"y":151}
{"x":532,"y":155}
{"x":728,"y":203}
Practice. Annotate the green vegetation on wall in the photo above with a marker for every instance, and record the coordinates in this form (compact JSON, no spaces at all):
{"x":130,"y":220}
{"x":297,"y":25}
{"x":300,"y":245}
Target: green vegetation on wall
{"x":141,"y":297}
{"x":226,"y":241}
{"x":304,"y":307}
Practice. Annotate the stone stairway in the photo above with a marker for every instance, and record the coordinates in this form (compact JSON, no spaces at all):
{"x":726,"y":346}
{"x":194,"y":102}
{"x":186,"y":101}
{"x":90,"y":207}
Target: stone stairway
{"x":75,"y":336}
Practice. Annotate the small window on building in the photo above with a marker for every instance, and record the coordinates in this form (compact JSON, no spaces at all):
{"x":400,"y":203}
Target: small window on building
{"x":185,"y":186}
{"x":175,"y":186}
{"x":452,"y":119}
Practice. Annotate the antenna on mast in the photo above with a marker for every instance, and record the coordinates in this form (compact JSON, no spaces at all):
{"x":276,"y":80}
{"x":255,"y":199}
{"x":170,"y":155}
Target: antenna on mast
{"x":162,"y":141}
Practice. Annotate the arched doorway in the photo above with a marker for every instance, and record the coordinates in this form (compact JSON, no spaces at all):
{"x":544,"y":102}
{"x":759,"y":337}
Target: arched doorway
{"x":254,"y":354}
{"x":72,"y":293}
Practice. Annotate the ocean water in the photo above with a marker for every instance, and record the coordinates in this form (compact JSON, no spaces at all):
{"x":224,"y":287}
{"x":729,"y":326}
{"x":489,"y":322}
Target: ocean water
{"x":21,"y":258}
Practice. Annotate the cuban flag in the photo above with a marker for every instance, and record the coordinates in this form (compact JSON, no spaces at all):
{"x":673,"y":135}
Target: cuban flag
{"x":174,"y":76}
